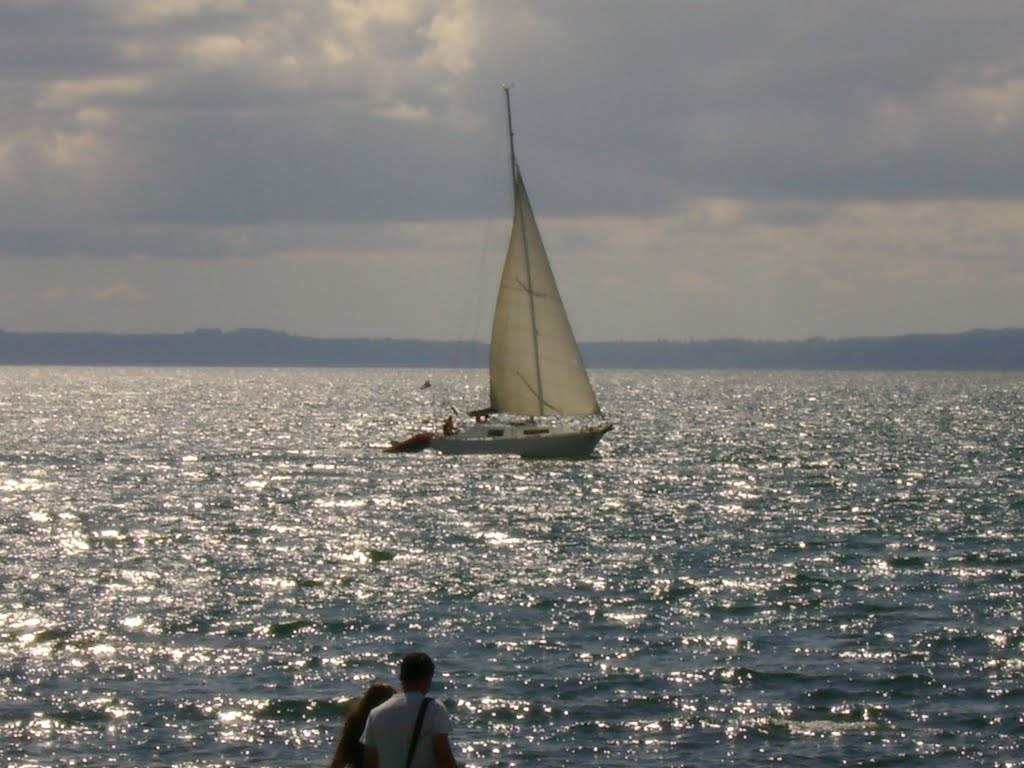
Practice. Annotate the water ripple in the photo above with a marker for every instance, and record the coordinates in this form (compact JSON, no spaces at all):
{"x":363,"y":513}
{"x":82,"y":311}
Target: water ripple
{"x":202,"y":567}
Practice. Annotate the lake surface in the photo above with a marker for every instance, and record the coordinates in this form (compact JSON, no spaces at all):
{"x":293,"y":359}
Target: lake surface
{"x":201,"y":566}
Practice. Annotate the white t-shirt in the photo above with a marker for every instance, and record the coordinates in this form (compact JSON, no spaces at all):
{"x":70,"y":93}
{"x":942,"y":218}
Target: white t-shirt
{"x":389,"y":729}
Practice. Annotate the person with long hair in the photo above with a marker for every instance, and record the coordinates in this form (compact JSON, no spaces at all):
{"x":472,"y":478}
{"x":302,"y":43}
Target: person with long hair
{"x":349,"y":753}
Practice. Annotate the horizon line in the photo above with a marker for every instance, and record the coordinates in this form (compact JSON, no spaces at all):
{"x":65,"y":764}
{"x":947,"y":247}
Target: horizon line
{"x":295,"y":335}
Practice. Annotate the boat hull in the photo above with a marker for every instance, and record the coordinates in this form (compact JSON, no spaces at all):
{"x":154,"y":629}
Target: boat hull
{"x":561,"y":444}
{"x":414,"y":444}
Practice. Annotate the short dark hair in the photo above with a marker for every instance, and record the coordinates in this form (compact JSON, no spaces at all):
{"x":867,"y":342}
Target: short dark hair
{"x":415,"y":668}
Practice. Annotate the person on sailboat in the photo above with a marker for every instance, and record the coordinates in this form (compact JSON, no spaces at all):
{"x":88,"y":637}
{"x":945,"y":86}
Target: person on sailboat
{"x":449,"y":426}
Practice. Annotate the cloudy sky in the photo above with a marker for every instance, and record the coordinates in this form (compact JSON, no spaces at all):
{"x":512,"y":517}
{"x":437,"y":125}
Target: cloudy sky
{"x":771,"y":169}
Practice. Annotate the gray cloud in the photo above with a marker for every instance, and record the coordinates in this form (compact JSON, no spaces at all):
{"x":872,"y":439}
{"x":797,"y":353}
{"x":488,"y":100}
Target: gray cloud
{"x":208,"y":129}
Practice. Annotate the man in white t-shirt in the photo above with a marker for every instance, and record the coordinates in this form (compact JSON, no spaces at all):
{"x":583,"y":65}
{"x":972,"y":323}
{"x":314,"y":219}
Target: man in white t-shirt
{"x":390,"y":727}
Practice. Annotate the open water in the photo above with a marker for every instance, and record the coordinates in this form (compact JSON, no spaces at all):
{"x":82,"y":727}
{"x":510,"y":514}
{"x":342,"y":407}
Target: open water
{"x":201,"y":566}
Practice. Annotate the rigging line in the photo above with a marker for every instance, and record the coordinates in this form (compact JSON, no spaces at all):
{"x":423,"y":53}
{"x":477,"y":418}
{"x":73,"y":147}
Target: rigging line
{"x":470,"y":331}
{"x":554,"y":411}
{"x":532,"y":291}
{"x":472,"y":322}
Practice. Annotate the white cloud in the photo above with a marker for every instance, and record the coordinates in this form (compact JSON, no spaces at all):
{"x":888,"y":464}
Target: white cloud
{"x":996,"y":107}
{"x":402,"y":111}
{"x":453,"y":33}
{"x":149,"y":12}
{"x":216,"y":51}
{"x":118,"y":292}
{"x":86,"y":92}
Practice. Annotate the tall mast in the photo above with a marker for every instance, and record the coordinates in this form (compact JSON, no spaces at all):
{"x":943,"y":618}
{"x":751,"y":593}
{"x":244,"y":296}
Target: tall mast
{"x":521,"y":215}
{"x":511,"y":142}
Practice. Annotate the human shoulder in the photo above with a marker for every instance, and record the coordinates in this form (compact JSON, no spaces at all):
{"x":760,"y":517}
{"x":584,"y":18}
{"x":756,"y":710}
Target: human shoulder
{"x":397,"y":703}
{"x":438,"y":717}
{"x":398,"y":700}
{"x":437,"y":704}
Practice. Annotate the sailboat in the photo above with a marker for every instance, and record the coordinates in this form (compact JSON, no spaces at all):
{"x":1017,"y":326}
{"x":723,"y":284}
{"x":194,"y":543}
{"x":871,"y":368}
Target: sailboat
{"x":538,"y":381}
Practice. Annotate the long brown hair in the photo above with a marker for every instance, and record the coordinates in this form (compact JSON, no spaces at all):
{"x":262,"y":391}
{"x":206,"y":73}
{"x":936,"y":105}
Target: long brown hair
{"x":350,"y":750}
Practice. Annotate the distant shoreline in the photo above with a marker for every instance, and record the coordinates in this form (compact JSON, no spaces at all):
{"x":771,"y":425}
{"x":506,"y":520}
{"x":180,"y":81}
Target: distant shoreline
{"x":979,"y":350}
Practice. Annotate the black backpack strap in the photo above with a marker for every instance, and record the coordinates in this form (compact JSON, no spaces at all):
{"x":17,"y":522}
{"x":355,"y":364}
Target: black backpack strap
{"x":416,"y":730}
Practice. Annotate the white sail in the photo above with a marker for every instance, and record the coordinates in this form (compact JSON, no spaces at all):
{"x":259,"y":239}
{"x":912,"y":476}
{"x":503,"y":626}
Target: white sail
{"x":536,"y":367}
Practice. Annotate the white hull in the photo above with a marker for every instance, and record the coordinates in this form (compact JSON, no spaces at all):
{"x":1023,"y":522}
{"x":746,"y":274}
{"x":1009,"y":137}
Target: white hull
{"x":530,"y":441}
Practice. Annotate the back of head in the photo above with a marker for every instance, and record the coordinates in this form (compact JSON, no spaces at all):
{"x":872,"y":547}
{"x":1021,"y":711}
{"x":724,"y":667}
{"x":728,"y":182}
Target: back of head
{"x":350,"y":750}
{"x":375,"y":695}
{"x":415,"y":668}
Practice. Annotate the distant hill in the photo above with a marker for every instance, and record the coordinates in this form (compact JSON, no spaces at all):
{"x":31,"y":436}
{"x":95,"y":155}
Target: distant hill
{"x":1001,"y":350}
{"x":975,"y":350}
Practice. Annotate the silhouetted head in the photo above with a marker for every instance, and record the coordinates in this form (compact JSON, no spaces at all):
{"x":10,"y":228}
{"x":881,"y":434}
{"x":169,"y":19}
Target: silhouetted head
{"x":416,"y":668}
{"x":376,"y":695}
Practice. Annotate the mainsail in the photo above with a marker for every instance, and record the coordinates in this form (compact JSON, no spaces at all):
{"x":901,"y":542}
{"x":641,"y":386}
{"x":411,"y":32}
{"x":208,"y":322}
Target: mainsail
{"x":536,"y":366}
